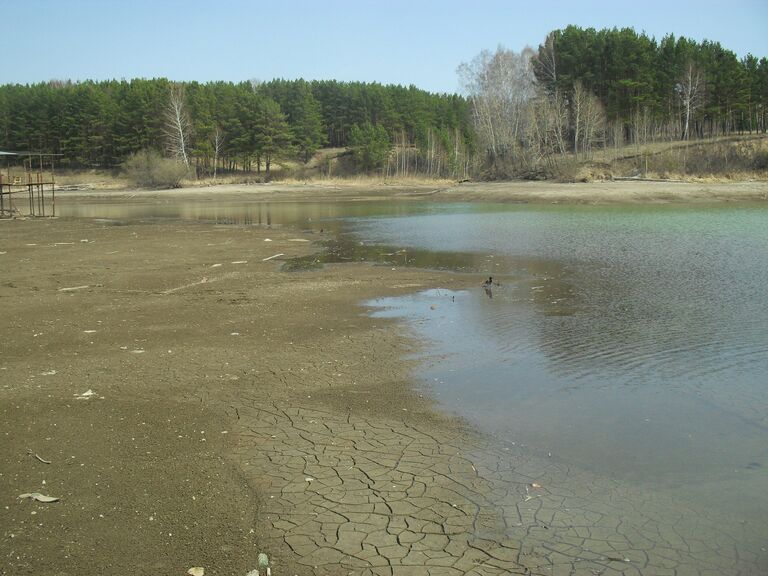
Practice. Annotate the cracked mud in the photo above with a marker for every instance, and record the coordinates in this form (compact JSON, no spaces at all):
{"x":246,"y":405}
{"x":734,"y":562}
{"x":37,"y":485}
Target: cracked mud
{"x":389,"y":498}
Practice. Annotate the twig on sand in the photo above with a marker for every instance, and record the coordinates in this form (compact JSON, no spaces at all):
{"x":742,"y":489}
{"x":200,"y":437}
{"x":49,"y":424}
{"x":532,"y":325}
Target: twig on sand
{"x":38,"y":457}
{"x":70,"y":289}
{"x":171,"y":290}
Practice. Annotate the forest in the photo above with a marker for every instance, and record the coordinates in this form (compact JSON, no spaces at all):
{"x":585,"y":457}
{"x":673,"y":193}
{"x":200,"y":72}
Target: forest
{"x":520,"y":114}
{"x":585,"y":90}
{"x":244,"y":126}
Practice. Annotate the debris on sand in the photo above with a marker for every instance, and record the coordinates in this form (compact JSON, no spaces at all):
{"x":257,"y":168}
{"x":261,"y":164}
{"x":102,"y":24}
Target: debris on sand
{"x":196,"y":571}
{"x":38,"y":457}
{"x":39,"y":497}
{"x":72,"y":288}
{"x":262,"y":564}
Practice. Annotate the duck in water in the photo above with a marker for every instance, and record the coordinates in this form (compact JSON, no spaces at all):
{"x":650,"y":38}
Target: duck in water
{"x":488,"y":285}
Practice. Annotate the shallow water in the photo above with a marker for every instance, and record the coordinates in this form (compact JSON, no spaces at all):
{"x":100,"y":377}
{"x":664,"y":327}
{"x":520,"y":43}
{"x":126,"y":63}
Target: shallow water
{"x":631,"y":343}
{"x":624,"y":343}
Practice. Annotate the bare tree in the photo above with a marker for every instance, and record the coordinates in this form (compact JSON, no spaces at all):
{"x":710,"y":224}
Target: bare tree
{"x":178,"y":126}
{"x":616,"y":129}
{"x":256,"y":84}
{"x":689,"y":90}
{"x":588,"y":119}
{"x":547,"y":129}
{"x":217,"y":143}
{"x":641,"y":126}
{"x":501,"y":87}
{"x":546,"y":62}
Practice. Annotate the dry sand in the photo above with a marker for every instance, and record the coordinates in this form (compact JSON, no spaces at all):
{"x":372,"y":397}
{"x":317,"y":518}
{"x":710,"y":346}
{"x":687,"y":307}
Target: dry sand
{"x":238,"y":408}
{"x":604,"y":192}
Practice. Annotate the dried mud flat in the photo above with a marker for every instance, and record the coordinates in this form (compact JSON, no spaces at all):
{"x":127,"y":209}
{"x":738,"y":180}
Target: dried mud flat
{"x":237,"y":408}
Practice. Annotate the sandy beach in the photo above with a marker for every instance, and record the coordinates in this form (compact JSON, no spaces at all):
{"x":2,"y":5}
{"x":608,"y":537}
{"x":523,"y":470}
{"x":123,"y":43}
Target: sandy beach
{"x":602,"y":192}
{"x":192,"y":405}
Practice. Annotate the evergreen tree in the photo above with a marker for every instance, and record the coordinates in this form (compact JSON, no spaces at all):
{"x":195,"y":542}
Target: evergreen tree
{"x":305,"y":120}
{"x":370,"y":146}
{"x":273,"y":134}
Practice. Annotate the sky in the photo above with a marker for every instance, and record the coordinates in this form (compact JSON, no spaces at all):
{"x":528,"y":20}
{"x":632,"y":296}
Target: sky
{"x":419,"y":42}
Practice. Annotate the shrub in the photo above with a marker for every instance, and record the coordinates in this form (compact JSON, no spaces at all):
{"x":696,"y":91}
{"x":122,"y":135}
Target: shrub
{"x":148,"y":169}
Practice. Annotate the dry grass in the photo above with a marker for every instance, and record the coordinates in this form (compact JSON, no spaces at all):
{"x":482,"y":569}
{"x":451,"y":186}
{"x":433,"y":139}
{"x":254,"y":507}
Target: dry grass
{"x":92,"y":179}
{"x":724,"y":159}
{"x":366,"y":180}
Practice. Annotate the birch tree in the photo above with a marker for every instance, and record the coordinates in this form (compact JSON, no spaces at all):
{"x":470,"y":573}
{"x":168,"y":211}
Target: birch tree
{"x":178,"y":126}
{"x":217,"y":144}
{"x":501,"y":88}
{"x":689,"y":90}
{"x":588,"y":119}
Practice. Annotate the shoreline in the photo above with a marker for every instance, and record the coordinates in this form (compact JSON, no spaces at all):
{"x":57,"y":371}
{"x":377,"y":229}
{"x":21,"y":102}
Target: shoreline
{"x":603,"y":192}
{"x":241,"y":409}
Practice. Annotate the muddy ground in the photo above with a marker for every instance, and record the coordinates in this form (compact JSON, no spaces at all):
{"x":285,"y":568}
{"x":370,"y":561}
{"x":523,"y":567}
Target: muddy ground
{"x":170,"y":326}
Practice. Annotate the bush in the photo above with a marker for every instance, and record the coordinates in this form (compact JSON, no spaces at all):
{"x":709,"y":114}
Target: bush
{"x":148,"y":169}
{"x":760,"y":160}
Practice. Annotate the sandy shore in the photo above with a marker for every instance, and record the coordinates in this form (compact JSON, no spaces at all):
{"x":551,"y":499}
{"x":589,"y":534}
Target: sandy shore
{"x":626,"y":192}
{"x":239,"y":409}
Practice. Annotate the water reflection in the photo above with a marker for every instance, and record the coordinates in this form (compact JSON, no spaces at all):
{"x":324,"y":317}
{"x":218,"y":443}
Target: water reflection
{"x":238,"y":212}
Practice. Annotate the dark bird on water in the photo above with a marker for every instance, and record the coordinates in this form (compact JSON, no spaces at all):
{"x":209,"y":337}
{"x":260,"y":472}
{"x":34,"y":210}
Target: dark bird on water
{"x":487,"y":285}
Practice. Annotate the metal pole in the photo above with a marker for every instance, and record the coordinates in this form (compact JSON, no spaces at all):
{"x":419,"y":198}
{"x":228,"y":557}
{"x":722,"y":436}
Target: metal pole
{"x":53,"y":189}
{"x":41,"y":179}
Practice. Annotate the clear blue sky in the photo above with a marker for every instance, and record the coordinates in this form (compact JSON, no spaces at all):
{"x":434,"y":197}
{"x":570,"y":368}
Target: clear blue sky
{"x":417,"y":42}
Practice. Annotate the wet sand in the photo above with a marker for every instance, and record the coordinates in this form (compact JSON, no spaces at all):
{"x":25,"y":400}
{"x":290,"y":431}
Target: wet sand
{"x":239,"y":409}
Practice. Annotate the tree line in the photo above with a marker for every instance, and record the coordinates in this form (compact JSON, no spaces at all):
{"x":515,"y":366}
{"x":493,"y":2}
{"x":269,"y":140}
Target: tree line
{"x":584,"y":89}
{"x":238,"y":126}
{"x":520,"y":113}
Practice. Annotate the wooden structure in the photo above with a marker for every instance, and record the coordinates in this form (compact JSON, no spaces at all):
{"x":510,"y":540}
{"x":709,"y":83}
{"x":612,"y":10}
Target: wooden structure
{"x":32,"y":177}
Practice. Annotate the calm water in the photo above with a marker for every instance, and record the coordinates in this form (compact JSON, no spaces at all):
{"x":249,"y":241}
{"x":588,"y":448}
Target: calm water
{"x":631,"y":342}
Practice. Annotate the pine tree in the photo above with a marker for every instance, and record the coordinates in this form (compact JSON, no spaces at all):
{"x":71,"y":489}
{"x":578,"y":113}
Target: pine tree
{"x":370,"y":146}
{"x":273,"y":134}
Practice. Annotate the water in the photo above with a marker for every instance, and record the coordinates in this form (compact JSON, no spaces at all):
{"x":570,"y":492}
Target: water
{"x":604,"y":314}
{"x":635,"y":332}
{"x":630,"y":343}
